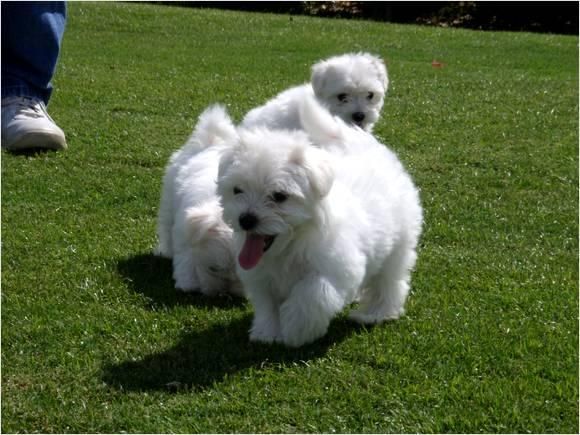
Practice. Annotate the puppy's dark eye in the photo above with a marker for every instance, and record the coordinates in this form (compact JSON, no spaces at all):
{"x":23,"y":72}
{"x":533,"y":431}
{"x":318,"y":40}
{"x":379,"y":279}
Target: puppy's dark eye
{"x":370,"y":96}
{"x":279,"y":197}
{"x":342,"y":97}
{"x":215,"y":269}
{"x":237,"y":190}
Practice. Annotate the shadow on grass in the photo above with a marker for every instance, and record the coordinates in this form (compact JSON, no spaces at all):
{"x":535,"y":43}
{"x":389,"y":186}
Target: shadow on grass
{"x":208,"y":356}
{"x":203,"y":358}
{"x":31,"y":152}
{"x":151,"y":276}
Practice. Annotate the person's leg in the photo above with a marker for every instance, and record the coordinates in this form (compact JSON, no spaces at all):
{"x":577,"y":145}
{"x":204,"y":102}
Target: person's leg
{"x":31,"y":38}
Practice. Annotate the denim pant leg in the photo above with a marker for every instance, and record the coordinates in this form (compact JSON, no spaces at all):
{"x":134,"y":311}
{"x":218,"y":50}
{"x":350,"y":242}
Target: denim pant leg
{"x":31,"y":39}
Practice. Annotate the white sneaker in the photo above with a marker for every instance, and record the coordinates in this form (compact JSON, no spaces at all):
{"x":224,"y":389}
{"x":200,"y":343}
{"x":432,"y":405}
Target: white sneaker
{"x":26,"y":124}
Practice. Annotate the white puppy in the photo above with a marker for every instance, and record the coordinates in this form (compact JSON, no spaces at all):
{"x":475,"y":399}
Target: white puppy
{"x":190,"y":227}
{"x":352,"y":86}
{"x":315,"y":230}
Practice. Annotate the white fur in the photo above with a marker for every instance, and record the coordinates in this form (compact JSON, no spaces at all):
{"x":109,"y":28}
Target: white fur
{"x":190,"y":227}
{"x":348,"y":229}
{"x":354,"y":77}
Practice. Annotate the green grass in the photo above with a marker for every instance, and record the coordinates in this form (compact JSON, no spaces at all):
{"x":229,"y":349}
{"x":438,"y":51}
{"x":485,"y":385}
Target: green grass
{"x":95,"y":339}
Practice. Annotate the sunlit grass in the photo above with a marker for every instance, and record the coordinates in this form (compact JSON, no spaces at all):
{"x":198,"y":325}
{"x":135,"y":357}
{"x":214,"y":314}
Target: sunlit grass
{"x":94,"y":337}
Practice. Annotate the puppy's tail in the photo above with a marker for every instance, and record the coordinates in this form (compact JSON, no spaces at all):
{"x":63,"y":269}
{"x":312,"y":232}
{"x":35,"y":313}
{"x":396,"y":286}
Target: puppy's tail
{"x":214,"y":126}
{"x":324,"y":129}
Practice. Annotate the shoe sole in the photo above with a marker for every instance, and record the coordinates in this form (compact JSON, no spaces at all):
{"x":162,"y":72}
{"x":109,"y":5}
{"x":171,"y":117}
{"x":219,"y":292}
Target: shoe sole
{"x":38,"y":139}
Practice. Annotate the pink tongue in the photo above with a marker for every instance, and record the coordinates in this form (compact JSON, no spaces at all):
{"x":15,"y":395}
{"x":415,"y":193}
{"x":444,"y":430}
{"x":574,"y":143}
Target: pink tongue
{"x":251,"y":251}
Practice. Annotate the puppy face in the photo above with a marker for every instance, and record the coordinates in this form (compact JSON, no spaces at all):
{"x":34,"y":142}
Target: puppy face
{"x":270,"y":185}
{"x":352,"y":86}
{"x":215,"y":267}
{"x":212,"y":243}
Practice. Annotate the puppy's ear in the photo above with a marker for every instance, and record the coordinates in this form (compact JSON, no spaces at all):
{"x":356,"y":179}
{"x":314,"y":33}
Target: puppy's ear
{"x":318,"y":167}
{"x":203,"y":222}
{"x":322,"y":72}
{"x":214,"y":126}
{"x":381,"y":70}
{"x":227,"y":159}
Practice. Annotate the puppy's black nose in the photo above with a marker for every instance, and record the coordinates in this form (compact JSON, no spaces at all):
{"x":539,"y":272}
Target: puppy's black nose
{"x":248,"y":221}
{"x":358,"y":117}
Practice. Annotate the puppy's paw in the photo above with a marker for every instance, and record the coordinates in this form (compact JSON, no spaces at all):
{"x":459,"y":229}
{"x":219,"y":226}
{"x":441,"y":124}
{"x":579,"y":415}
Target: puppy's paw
{"x":298,"y":330}
{"x":263,"y":336}
{"x":187,"y":285}
{"x":187,"y":289}
{"x":372,"y":317}
{"x":162,"y":251}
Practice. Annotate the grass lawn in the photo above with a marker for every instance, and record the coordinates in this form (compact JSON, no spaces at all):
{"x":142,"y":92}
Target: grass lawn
{"x":94,"y":337}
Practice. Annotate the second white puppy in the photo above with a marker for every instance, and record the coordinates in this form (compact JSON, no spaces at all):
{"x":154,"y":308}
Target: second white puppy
{"x":190,"y":227}
{"x":314,"y":230}
{"x":352,"y":86}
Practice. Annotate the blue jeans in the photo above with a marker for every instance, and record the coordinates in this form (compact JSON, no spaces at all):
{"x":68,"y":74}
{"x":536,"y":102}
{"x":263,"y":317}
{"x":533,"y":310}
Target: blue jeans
{"x":31,"y":39}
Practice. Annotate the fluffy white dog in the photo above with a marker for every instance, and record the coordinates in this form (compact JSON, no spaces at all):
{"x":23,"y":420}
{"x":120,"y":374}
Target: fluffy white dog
{"x":351,"y":86}
{"x":190,"y":226}
{"x":315,"y":230}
